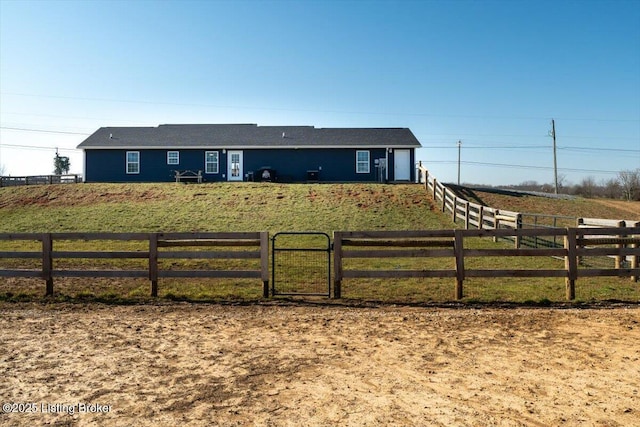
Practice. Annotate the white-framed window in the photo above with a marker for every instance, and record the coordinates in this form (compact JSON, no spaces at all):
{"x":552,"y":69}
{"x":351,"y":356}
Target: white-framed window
{"x":211,"y":162}
{"x":133,"y":162}
{"x":173,"y":157}
{"x":362,"y":161}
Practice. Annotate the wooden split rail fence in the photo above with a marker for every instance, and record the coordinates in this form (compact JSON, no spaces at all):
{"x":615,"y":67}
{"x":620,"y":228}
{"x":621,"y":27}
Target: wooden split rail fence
{"x":420,"y":245}
{"x":450,"y":244}
{"x":478,"y":216}
{"x":231,"y":242}
{"x":472,"y":214}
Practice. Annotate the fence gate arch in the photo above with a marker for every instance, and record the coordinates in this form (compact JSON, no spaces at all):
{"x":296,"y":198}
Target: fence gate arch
{"x":301,"y":264}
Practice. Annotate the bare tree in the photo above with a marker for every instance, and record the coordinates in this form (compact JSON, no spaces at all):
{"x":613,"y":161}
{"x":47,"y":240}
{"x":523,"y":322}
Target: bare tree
{"x":587,"y":187}
{"x":528,"y":185}
{"x":630,"y":183}
{"x":611,"y":189}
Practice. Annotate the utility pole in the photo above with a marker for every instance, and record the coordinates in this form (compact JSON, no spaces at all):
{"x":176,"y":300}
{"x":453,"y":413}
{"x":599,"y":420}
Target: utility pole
{"x":555,"y":159}
{"x":459,"y":148}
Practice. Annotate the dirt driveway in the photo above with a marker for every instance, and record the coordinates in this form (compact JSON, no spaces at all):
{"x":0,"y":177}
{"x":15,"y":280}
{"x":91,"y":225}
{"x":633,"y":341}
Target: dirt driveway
{"x":317,"y":365}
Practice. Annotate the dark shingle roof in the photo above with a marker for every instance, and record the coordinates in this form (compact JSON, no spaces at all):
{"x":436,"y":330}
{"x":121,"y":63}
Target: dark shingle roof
{"x":247,"y":136}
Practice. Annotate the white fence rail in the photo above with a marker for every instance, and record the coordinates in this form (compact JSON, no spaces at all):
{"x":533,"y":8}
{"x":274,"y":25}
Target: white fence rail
{"x":478,"y":216}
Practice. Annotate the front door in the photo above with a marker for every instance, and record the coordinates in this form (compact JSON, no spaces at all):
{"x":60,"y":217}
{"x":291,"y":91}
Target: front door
{"x":234,"y":166}
{"x":402,"y":165}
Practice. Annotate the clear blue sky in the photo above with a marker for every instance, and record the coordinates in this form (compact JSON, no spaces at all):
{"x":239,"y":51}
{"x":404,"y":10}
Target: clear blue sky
{"x":490,"y":73}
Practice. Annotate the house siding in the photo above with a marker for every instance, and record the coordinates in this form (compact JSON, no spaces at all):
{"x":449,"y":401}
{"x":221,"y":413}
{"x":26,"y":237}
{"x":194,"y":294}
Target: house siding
{"x":291,"y":165}
{"x":334,"y":165}
{"x":110,"y":165}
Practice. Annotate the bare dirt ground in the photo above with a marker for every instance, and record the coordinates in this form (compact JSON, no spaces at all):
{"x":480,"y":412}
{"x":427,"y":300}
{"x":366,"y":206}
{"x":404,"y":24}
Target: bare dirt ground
{"x":305,"y":364}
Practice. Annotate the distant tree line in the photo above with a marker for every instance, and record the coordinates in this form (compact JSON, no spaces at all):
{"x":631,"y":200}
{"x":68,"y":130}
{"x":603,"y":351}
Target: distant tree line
{"x":626,"y":185}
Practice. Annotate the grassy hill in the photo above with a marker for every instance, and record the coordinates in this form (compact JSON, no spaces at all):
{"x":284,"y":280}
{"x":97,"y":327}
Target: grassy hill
{"x":274,"y":207}
{"x":217,"y":207}
{"x":576,"y":207}
{"x":259,"y":207}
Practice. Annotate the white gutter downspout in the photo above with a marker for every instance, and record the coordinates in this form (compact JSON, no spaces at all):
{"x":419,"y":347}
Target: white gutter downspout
{"x":386,"y":169}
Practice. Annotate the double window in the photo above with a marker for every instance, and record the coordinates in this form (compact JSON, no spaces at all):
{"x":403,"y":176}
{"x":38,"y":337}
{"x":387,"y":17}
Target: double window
{"x":362,"y":161}
{"x":133,"y":162}
{"x":173,"y":157}
{"x":211,"y":163}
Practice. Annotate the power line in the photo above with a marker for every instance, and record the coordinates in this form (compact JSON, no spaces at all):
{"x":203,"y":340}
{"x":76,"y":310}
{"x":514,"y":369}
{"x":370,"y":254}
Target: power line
{"x":311,"y":110}
{"x":477,"y":147}
{"x":623,"y":150}
{"x":527,"y":136}
{"x":457,"y":135}
{"x":514,"y":166}
{"x":630,"y":138}
{"x":44,"y":131}
{"x":56,"y":116}
{"x":489,"y":147}
{"x":527,"y":147}
{"x":37,"y":147}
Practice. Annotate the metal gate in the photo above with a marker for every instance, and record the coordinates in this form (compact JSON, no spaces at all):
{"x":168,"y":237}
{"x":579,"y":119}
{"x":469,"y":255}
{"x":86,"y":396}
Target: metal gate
{"x":301,"y":264}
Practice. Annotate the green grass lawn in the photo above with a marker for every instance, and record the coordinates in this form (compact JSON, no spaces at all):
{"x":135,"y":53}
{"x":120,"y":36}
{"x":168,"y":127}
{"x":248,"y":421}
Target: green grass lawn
{"x":216,"y":207}
{"x":269,"y":207}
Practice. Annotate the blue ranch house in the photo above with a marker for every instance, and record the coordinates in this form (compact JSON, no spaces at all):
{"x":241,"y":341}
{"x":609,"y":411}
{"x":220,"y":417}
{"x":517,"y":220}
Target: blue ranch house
{"x":248,"y":152}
